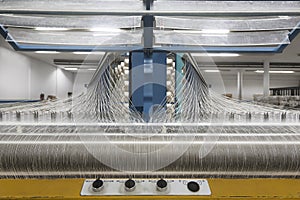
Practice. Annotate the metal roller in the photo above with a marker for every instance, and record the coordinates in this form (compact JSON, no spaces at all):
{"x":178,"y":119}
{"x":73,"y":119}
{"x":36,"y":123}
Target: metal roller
{"x":209,"y":154}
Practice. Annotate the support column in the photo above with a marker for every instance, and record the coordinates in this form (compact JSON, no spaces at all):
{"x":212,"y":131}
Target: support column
{"x":266,"y":78}
{"x":240,"y":84}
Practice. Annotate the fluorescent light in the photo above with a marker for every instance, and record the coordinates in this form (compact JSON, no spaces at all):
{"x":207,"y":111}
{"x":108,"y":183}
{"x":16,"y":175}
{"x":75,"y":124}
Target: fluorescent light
{"x":212,"y":70}
{"x":217,"y":54}
{"x":81,"y":53}
{"x":47,"y":52}
{"x":105,"y":34}
{"x":284,"y":17}
{"x":105,"y":29}
{"x":71,"y":69}
{"x":276,"y":72}
{"x":205,"y":31}
{"x":7,"y":15}
{"x":223,"y":54}
{"x":223,"y":31}
{"x":88,"y":52}
{"x":51,"y":33}
{"x":214,"y":35}
{"x":92,"y":69}
{"x":50,"y":29}
{"x":259,"y":71}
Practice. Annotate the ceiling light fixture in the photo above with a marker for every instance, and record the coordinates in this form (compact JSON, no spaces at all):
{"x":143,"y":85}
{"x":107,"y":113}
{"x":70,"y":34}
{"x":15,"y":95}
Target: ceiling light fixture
{"x":214,"y":35}
{"x":212,"y":70}
{"x":217,"y":54}
{"x":216,"y":31}
{"x":88,"y":52}
{"x":205,"y":31}
{"x":105,"y":29}
{"x":71,"y":69}
{"x":47,"y":52}
{"x":105,"y":34}
{"x":284,"y":17}
{"x":51,"y":29}
{"x":8,"y":15}
{"x":276,"y":72}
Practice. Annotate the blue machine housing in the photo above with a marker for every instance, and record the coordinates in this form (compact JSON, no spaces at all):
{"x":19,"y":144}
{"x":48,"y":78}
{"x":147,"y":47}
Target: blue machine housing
{"x":148,"y":78}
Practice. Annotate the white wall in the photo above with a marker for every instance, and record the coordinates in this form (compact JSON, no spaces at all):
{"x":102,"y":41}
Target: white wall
{"x":22,"y":77}
{"x":65,"y":81}
{"x":42,"y":79}
{"x":82,"y":78}
{"x":14,"y":75}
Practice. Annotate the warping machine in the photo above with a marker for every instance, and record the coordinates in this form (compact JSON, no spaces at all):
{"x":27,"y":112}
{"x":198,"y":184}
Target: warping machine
{"x":148,"y":125}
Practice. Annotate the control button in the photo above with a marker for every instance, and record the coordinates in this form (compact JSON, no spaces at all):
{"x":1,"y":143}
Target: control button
{"x":97,"y":185}
{"x":193,"y":186}
{"x":129,"y":185}
{"x":161,"y":185}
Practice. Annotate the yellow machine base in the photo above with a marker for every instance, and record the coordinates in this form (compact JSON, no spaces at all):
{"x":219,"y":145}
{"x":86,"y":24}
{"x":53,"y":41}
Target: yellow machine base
{"x":221,"y":189}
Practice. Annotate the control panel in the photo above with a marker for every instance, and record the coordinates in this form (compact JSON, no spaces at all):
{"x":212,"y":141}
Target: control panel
{"x":113,"y":187}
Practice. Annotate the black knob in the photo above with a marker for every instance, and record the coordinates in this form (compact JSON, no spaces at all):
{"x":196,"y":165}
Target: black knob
{"x":97,"y":185}
{"x":193,"y":186}
{"x":161,"y":185}
{"x":129,"y":185}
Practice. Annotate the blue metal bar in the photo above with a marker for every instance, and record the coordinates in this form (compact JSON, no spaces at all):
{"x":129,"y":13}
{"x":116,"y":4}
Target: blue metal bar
{"x":5,"y":35}
{"x":3,"y":31}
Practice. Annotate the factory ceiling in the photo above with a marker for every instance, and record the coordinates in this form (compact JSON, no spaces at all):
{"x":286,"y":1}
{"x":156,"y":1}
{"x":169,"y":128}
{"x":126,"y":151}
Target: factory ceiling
{"x":252,"y":30}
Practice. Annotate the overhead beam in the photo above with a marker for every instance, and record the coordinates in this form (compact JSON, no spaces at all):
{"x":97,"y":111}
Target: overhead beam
{"x":202,"y":13}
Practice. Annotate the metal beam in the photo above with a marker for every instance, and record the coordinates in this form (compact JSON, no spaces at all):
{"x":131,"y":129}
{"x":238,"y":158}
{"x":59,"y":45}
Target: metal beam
{"x":203,"y":13}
